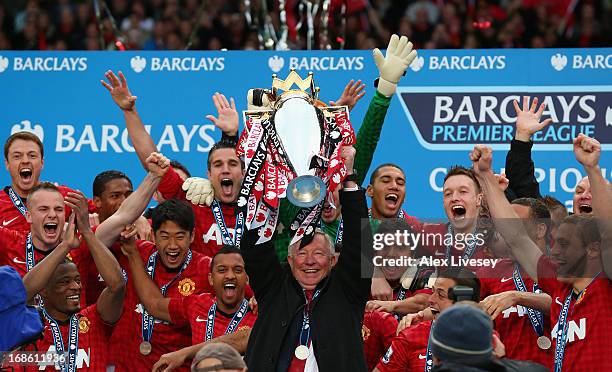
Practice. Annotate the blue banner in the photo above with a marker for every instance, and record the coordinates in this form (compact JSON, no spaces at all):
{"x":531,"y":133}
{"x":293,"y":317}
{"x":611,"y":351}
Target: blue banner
{"x":447,"y":102}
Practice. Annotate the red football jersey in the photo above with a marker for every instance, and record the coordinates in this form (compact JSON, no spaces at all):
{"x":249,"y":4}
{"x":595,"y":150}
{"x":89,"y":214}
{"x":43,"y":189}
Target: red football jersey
{"x":513,"y":324}
{"x":93,"y":340}
{"x":208,"y":239}
{"x":127,"y":335}
{"x":433,"y":238}
{"x":91,"y":280}
{"x":589,"y":320}
{"x":193,"y":310}
{"x":13,"y":250}
{"x":12,"y":218}
{"x":408,"y":350}
{"x":377,"y":331}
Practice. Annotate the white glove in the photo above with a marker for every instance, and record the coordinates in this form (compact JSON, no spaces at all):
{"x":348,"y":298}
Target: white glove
{"x":199,"y":190}
{"x":392,"y":66}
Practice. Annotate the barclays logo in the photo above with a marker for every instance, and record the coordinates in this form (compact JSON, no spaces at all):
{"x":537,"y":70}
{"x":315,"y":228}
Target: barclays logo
{"x":4,"y":62}
{"x":26,"y":126}
{"x":558,"y":61}
{"x":276,"y":63}
{"x":417,"y":64}
{"x":138,"y":64}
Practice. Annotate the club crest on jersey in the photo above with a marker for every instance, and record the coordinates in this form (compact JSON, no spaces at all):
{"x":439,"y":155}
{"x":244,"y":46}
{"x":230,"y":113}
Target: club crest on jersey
{"x":365,"y":332}
{"x":84,"y":323}
{"x":186,"y":287}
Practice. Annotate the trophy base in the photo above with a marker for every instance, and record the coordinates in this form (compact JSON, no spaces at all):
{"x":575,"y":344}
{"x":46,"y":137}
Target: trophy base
{"x":306,"y":191}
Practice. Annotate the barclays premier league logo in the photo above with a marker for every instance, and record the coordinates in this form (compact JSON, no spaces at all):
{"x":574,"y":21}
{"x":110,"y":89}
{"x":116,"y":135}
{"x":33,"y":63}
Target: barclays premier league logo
{"x":457,"y":118}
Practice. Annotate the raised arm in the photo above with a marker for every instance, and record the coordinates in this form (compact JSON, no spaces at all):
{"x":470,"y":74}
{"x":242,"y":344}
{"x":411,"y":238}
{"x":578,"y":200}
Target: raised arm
{"x":136,"y":203}
{"x":169,"y":362}
{"x":588,"y":153}
{"x":355,"y":263}
{"x":507,"y":222}
{"x":110,"y":301}
{"x":120,"y":93}
{"x":149,"y":294}
{"x":391,"y":67}
{"x":37,"y":278}
{"x":520,"y":168}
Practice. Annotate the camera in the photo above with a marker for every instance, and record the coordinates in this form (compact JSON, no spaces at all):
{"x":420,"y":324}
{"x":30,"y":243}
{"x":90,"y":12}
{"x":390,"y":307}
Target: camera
{"x":461,"y":293}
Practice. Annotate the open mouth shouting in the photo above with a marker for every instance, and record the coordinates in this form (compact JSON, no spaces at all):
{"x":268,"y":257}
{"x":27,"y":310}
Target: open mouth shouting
{"x":50,"y":229}
{"x":458,"y":212}
{"x":26,"y":174}
{"x":392,"y":201}
{"x":585,"y":208}
{"x":173,"y":258}
{"x":227,"y":187}
{"x":229,"y":289}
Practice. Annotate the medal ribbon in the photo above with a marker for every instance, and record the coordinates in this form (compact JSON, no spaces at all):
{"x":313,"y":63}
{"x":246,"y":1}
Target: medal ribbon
{"x":16,"y":199}
{"x":68,"y":365}
{"x":225,"y":234}
{"x":562,"y":326}
{"x":469,"y":249}
{"x":305,"y":332}
{"x":148,"y":321}
{"x":233,"y":324}
{"x":536,"y":317}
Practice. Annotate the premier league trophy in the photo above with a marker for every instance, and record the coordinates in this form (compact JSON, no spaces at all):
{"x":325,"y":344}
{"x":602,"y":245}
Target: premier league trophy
{"x":291,"y":148}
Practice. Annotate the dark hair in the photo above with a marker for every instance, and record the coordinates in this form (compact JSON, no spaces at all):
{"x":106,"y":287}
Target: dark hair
{"x":377,"y":170}
{"x":538,"y":212}
{"x":42,"y":186}
{"x":459,"y":170}
{"x":25,"y":136}
{"x":553,"y":204}
{"x":226,"y":249}
{"x":99,"y":183}
{"x":177,"y":211}
{"x":463,"y":277}
{"x":223,"y":144}
{"x":178,"y":165}
{"x":587,"y":227}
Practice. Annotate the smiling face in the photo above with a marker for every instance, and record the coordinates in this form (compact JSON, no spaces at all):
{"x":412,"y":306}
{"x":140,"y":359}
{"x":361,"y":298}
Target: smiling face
{"x":569,"y":253}
{"x":583,"y":198}
{"x":24,"y":162}
{"x":46,"y":217}
{"x":439,"y":301}
{"x":63,"y":291}
{"x":387,"y":191}
{"x":225,"y":174}
{"x":228,"y":279}
{"x":172,"y":242}
{"x":311,"y":263}
{"x":461,"y":202}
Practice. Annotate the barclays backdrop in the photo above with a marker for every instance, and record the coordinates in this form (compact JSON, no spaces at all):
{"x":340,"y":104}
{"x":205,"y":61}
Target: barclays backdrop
{"x":447,"y":102}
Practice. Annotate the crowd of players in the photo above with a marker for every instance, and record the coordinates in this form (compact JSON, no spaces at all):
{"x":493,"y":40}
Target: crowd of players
{"x":115,"y":290}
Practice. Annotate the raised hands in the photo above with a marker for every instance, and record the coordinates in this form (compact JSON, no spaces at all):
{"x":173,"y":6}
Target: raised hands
{"x":119,"y":90}
{"x":528,"y":119}
{"x":157,"y":164}
{"x":228,"y":116}
{"x":353,"y":92}
{"x":392,"y":66}
{"x":78,"y":203}
{"x":482,"y":157}
{"x":587,"y":150}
